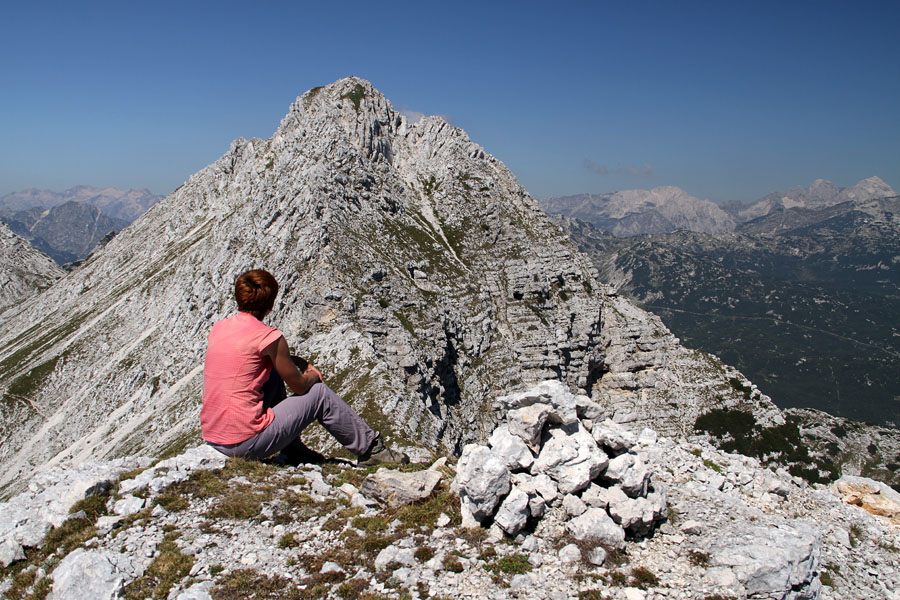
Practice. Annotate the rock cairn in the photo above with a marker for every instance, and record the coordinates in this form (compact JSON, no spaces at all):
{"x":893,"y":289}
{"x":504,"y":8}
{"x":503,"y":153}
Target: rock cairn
{"x":555,"y":451}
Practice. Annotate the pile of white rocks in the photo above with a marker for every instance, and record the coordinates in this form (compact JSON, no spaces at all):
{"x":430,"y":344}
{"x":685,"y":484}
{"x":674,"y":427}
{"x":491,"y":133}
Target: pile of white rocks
{"x":553,"y":451}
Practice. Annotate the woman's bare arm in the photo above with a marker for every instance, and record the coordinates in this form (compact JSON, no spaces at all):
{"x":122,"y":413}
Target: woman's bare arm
{"x":280,"y":355}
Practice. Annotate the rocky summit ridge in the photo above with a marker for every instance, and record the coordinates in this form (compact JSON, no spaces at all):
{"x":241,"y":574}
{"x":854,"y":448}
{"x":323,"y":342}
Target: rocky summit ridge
{"x":557,"y":504}
{"x":415,"y":271}
{"x":24,"y":271}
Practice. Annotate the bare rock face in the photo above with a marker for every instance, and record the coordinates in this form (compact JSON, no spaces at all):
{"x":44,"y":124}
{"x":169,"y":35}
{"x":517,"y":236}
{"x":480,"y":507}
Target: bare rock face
{"x":872,"y":496}
{"x":24,"y":271}
{"x":415,"y":272}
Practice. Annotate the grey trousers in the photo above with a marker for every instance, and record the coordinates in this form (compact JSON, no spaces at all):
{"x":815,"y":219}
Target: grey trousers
{"x":294,"y":413}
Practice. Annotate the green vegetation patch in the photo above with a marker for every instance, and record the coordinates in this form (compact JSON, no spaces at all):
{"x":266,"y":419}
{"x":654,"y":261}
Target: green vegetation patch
{"x":737,"y":431}
{"x":355,"y":95}
{"x":513,"y":564}
{"x":25,"y":384}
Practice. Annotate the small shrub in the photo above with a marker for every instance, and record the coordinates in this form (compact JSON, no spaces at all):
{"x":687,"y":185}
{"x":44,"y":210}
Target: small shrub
{"x":334,"y":524}
{"x":370,"y":524}
{"x":355,"y":95}
{"x":826,"y":579}
{"x":424,"y":553}
{"x":513,"y":564}
{"x":238,"y":503}
{"x":487,"y":553}
{"x":68,"y":536}
{"x":288,"y":541}
{"x":592,"y":595}
{"x":643,"y":578}
{"x":352,"y":588}
{"x":94,"y":507}
{"x":856,"y":535}
{"x":711,"y":465}
{"x":248,"y":583}
{"x":172,"y":501}
{"x":617,"y":578}
{"x":616,"y":557}
{"x":473,"y":535}
{"x":738,"y":386}
{"x":452,"y":563}
{"x":698,"y":558}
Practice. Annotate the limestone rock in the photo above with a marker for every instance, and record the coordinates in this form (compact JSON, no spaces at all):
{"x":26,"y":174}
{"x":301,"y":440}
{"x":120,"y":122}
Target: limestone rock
{"x":128,"y":505}
{"x":572,"y":460}
{"x":597,"y":556}
{"x":396,"y":488}
{"x":610,"y":434}
{"x":393,"y":554}
{"x":511,"y":448}
{"x":527,"y":423}
{"x":872,"y":496}
{"x":597,"y":526}
{"x":198,"y":591}
{"x":778,"y":563}
{"x":513,"y":512}
{"x":24,"y":271}
{"x":570,"y":553}
{"x":553,"y":393}
{"x":574,"y":505}
{"x":10,"y":552}
{"x":630,"y":473}
{"x":87,"y":574}
{"x":483,"y":479}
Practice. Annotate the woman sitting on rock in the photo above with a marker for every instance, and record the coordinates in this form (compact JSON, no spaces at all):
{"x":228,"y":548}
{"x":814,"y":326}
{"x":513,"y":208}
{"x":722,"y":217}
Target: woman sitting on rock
{"x":245,"y":412}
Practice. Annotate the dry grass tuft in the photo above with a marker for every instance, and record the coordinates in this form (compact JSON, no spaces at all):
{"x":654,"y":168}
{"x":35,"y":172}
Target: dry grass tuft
{"x":168,"y":568}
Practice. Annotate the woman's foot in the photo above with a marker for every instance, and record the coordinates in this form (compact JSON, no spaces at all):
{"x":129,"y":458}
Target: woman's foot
{"x":379,"y":454}
{"x":298,"y":453}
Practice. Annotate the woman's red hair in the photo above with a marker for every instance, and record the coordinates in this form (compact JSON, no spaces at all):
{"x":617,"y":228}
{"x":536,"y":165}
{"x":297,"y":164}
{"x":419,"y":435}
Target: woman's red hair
{"x":255,"y":292}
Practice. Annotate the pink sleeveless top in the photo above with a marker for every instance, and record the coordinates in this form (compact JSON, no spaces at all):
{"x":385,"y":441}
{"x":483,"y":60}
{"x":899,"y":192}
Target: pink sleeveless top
{"x":233,"y":377}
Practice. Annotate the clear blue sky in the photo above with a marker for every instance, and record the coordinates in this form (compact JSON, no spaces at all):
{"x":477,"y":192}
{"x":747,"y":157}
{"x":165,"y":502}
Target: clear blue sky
{"x":726,"y":99}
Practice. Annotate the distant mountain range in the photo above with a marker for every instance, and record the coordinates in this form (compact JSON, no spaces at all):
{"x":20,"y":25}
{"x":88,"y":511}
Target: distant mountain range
{"x":636,"y":212}
{"x":803,"y":299}
{"x":669,"y":209}
{"x":67,"y":226}
{"x":124,"y":204}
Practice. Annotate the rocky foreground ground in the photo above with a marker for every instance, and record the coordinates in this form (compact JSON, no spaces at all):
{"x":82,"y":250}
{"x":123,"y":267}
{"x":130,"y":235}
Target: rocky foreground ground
{"x":660,"y":519}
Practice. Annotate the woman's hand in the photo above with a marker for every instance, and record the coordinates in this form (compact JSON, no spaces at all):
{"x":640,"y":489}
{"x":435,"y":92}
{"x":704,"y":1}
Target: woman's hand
{"x":286,"y":366}
{"x":314,"y":371}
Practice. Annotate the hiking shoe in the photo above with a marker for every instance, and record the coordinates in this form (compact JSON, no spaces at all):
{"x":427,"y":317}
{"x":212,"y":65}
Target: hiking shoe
{"x":379,"y":454}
